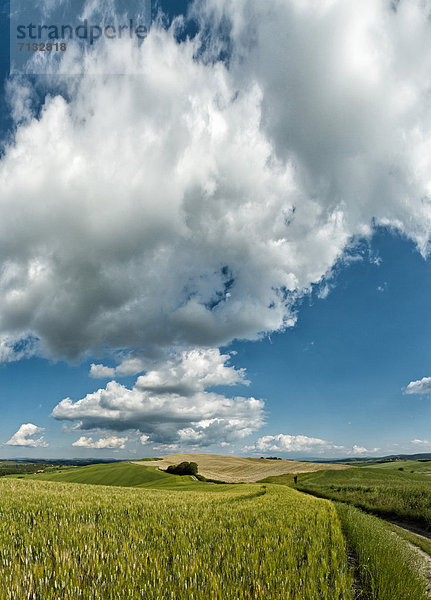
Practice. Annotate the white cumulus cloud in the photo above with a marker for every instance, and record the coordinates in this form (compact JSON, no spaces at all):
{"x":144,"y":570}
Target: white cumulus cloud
{"x":108,"y":442}
{"x":101,"y":371}
{"x":127,"y":366}
{"x":172,"y":404}
{"x":25,"y":436}
{"x":187,"y":204}
{"x":193,"y":371}
{"x":190,"y":204}
{"x":420,"y":386}
{"x":360,"y":450}
{"x":282,"y":442}
{"x":292,"y":443}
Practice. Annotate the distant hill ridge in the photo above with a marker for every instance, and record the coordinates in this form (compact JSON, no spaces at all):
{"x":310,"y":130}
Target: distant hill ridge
{"x":391,"y":457}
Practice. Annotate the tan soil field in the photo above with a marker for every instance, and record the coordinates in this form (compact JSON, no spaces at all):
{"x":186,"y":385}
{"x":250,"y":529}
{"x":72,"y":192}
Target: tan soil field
{"x":237,"y":469}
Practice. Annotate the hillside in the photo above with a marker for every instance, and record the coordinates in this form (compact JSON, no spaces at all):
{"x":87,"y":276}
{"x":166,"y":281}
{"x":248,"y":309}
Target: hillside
{"x":123,"y":474}
{"x":236,"y":469}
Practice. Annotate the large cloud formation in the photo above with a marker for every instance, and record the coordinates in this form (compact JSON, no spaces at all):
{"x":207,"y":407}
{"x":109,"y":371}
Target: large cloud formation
{"x":188,"y":203}
{"x":171,"y":405}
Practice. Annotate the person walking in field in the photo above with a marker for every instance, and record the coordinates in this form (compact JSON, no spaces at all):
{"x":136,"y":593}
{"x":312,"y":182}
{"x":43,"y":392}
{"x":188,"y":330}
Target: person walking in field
{"x":295,"y":479}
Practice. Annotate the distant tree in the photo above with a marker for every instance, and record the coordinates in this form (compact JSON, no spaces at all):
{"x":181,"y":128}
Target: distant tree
{"x":184,"y":468}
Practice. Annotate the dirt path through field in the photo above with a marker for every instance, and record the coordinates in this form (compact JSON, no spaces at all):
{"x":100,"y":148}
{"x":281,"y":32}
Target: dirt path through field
{"x":412,"y":528}
{"x":425,"y":567}
{"x":424,"y":558}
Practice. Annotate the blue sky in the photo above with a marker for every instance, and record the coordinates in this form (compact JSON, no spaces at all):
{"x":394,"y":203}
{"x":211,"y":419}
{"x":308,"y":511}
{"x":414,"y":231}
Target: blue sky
{"x":340,"y":372}
{"x":184,"y":317}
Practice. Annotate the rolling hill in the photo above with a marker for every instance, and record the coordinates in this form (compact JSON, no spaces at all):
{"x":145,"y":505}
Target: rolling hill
{"x":123,"y":474}
{"x":150,"y":473}
{"x":238,"y":469}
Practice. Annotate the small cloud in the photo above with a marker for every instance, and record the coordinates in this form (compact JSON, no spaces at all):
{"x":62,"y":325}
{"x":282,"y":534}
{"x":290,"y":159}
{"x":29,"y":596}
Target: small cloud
{"x":130,"y":366}
{"x":382,"y":288}
{"x":144,"y":439}
{"x":376,"y":260}
{"x":70,"y":428}
{"x":25,"y":437}
{"x":100,"y":371}
{"x":166,"y":447}
{"x":421,"y":386}
{"x":12,"y":350}
{"x":323,"y":292}
{"x":109,"y":442}
{"x":421,"y":442}
{"x":359,"y":450}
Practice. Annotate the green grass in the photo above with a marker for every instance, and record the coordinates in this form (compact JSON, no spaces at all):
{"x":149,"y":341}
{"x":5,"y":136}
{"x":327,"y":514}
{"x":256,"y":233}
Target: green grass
{"x":279,"y":479}
{"x":415,"y":466}
{"x":124,"y":474}
{"x":417,"y":540}
{"x":72,"y":542}
{"x":385,"y":492}
{"x":387,"y":567}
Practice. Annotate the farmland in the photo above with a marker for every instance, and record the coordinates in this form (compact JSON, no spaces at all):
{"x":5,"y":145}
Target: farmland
{"x":389,"y":493}
{"x":76,"y":541}
{"x":235,"y":469}
{"x":388,"y":564}
{"x":128,"y":530}
{"x":123,"y":474}
{"x":410,"y":466}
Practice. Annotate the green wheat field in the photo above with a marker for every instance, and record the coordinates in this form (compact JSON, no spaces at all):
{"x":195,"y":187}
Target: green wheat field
{"x":78,"y":541}
{"x":149,"y":535}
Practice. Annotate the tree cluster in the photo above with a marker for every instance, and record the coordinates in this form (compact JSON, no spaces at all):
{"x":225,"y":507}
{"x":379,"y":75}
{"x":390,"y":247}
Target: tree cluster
{"x":184,"y":468}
